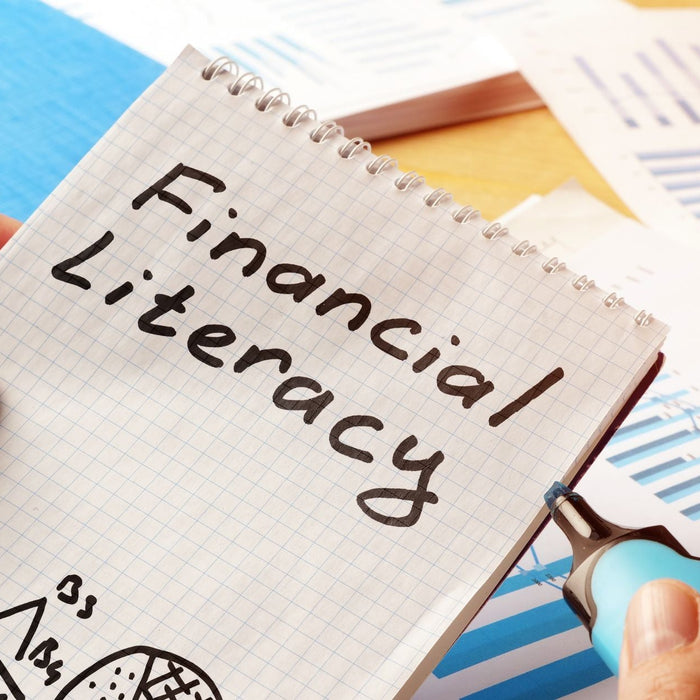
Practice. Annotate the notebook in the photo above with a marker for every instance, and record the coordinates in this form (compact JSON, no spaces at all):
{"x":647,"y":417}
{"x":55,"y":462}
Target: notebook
{"x":275,"y":416}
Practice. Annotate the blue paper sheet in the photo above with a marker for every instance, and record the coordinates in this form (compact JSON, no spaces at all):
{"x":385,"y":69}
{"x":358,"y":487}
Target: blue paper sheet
{"x":62,"y":85}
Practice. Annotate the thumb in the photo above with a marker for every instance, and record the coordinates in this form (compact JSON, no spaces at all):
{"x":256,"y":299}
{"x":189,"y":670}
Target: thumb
{"x":661,"y":651}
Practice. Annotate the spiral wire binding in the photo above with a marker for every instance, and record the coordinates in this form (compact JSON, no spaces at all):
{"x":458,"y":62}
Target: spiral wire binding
{"x":272,"y":98}
{"x":434,"y":198}
{"x":583,"y":284}
{"x":494,"y":230}
{"x":328,"y":130}
{"x":325,"y":130}
{"x":244,"y":83}
{"x":465,"y":214}
{"x":219,"y":65}
{"x":298,"y":115}
{"x":381,"y":163}
{"x":643,"y":318}
{"x":524,"y":248}
{"x":352,"y":147}
{"x":407,"y":180}
{"x":612,"y":301}
{"x":553,"y":265}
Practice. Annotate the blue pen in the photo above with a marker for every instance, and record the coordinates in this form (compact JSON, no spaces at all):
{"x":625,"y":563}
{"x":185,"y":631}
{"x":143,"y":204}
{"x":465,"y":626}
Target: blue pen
{"x":610,"y":563}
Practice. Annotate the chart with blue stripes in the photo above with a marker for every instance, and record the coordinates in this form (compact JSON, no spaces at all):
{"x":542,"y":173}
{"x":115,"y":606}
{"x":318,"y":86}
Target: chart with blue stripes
{"x":342,"y":57}
{"x":625,"y":83}
{"x":658,"y":85}
{"x":659,"y":445}
{"x":678,"y":171}
{"x":526,"y":642}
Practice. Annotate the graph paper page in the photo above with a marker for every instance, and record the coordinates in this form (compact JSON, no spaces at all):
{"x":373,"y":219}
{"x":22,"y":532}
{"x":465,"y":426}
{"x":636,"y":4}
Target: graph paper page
{"x":268,"y":422}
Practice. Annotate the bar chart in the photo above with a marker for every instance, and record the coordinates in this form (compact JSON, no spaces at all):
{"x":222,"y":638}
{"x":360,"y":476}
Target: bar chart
{"x":655,"y":85}
{"x":659,"y":446}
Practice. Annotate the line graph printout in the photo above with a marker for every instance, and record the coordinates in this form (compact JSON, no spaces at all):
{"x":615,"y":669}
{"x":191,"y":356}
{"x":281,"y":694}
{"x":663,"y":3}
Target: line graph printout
{"x":626,"y":84}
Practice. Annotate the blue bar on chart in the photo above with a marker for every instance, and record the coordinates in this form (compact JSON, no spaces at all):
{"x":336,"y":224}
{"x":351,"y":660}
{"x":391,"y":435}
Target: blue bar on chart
{"x":659,"y":446}
{"x":646,"y":99}
{"x":506,"y":635}
{"x":668,"y":85}
{"x":678,"y":171}
{"x":615,"y":102}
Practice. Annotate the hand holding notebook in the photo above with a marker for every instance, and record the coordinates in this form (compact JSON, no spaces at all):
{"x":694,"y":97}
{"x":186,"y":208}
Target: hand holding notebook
{"x":284,"y":411}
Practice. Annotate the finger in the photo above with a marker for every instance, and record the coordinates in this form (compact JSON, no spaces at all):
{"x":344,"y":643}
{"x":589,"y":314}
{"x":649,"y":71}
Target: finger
{"x":661,"y":650}
{"x":8,"y":226}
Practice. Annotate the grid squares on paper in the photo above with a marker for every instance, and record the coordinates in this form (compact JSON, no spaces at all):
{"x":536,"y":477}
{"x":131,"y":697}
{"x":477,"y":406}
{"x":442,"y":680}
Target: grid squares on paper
{"x":214,"y":522}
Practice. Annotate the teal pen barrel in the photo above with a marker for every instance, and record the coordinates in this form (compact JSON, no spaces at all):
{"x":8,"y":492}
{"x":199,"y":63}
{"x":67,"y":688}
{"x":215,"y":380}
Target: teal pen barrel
{"x":619,"y":572}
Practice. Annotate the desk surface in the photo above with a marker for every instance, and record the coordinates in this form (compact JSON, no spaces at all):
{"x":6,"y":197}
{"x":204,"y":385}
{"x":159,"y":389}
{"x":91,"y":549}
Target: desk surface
{"x":495,"y":164}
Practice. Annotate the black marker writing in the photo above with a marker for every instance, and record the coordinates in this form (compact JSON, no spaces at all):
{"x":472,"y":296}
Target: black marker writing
{"x":162,"y":676}
{"x":254,"y":354}
{"x":198,"y":231}
{"x":119,"y":293}
{"x":306,"y":395}
{"x":38,"y":606}
{"x":353,"y":422}
{"x":418,"y":497}
{"x":530,"y":395}
{"x":60,"y":271}
{"x":470,"y":393}
{"x":157,"y":189}
{"x":164,"y":304}
{"x":42,"y":655}
{"x":428,"y":359}
{"x":72,"y":583}
{"x":311,"y":406}
{"x":10,"y":684}
{"x":234,"y":242}
{"x":299,"y":289}
{"x":339,"y":298}
{"x":212,"y":335}
{"x":377,"y":335}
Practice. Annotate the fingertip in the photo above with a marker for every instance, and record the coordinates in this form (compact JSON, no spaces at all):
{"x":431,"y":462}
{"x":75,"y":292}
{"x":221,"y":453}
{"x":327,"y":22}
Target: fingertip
{"x":662,"y":616}
{"x":8,"y":226}
{"x":660,"y":654}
